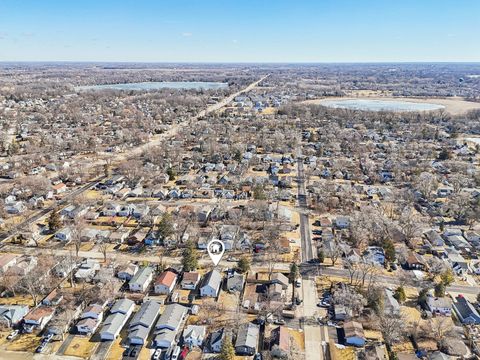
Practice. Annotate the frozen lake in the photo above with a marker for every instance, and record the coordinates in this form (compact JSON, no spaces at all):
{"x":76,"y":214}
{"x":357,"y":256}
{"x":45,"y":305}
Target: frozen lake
{"x":380,"y":105}
{"x":142,"y":86}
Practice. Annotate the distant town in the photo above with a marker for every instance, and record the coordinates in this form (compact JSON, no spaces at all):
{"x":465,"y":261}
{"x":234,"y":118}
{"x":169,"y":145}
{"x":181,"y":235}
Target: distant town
{"x":346,"y":199}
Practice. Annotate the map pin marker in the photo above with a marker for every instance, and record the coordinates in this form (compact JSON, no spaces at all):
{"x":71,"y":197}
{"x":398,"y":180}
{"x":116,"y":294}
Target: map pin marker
{"x":215,"y":249}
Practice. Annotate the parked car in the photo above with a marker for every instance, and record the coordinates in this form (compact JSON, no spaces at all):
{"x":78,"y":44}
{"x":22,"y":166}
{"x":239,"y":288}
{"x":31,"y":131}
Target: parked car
{"x":279,"y":322}
{"x":40,"y":348}
{"x":258,"y":356}
{"x":13,"y":335}
{"x":175,"y":353}
{"x":157,"y":354}
{"x":298,"y":283}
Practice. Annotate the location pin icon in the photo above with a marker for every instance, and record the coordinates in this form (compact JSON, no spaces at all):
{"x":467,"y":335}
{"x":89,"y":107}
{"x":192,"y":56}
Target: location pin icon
{"x":215,"y":249}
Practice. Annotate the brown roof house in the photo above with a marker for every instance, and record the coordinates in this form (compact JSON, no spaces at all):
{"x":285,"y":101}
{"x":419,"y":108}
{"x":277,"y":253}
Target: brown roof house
{"x":37,"y":318}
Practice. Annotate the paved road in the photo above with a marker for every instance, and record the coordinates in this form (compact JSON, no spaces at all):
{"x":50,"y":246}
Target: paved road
{"x":313,"y":338}
{"x":305,"y":234}
{"x":307,"y":269}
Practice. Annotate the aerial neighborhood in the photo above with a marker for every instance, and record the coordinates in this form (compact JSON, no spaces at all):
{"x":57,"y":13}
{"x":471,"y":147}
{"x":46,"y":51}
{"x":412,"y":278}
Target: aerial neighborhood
{"x":347,"y":233}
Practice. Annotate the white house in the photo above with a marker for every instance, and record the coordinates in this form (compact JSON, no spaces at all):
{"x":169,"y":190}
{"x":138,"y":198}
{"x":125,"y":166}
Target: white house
{"x":439,"y":306}
{"x":194,"y":335}
{"x":165,"y":283}
{"x":141,"y":280}
{"x":119,"y":314}
{"x":211,"y":284}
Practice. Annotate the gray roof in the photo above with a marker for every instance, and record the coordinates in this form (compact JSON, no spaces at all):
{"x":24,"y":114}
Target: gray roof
{"x":171,"y":317}
{"x":213,"y":279}
{"x":165,"y":335}
{"x":138,"y":331}
{"x":147,"y":314}
{"x":465,"y":309}
{"x":122,"y":306}
{"x":113,"y":323}
{"x":13,"y":313}
{"x":141,"y":275}
{"x":248,"y":336}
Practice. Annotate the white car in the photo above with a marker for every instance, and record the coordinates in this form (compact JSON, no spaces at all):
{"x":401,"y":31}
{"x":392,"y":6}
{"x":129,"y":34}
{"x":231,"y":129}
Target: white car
{"x":13,"y":335}
{"x":157,"y":354}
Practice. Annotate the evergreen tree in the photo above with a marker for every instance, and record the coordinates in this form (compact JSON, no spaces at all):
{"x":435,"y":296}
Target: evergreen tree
{"x":389,"y":250}
{"x":294,"y":273}
{"x":54,"y":221}
{"x":259,"y":193}
{"x":440,"y":290}
{"x":228,"y":351}
{"x":190,"y":257}
{"x":243,"y":264}
{"x":171,"y":174}
{"x":400,"y":294}
{"x":321,"y":256}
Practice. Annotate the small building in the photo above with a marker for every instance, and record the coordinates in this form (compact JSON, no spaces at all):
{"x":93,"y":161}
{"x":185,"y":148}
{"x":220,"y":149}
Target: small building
{"x":127,"y":272}
{"x":215,"y":341}
{"x":119,"y":314}
{"x":168,"y":325}
{"x":235,"y":283}
{"x":414,"y":261}
{"x":141,"y":280}
{"x":142,"y":323}
{"x":390,"y":304}
{"x":194,"y":335}
{"x":7,"y":261}
{"x":12,"y":315}
{"x":37,"y":318}
{"x":439,"y":306}
{"x":247,"y":339}
{"x":279,"y":278}
{"x":190,"y":280}
{"x":280,"y":342}
{"x":211,"y":284}
{"x":354,"y":334}
{"x":465,"y":311}
{"x":165,"y":283}
{"x":64,"y":234}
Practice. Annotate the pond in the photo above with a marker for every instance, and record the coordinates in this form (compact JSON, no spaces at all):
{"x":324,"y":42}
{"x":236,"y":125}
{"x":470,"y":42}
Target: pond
{"x":380,"y":105}
{"x":142,"y":86}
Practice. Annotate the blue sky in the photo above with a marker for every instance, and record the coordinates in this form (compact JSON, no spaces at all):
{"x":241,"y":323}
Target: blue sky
{"x":240,"y":31}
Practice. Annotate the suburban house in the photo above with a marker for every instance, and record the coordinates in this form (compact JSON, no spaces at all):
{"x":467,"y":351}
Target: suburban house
{"x":64,"y":234}
{"x":54,"y":298}
{"x":414,"y":261}
{"x":165,"y":283}
{"x":235,"y":283}
{"x":119,"y":314}
{"x":279,"y":278}
{"x":215,"y":341}
{"x":439,"y":306}
{"x":168,"y":325}
{"x":390,"y":304}
{"x":190,"y":280}
{"x":141,"y":280}
{"x":280,"y":342}
{"x":87,"y":270}
{"x":6,"y":261}
{"x":90,"y":319}
{"x":465,"y":311}
{"x":37,"y":318}
{"x":194,"y":335}
{"x":11,"y":315}
{"x":354,"y":334}
{"x":247,"y":339}
{"x":142,"y":322}
{"x":127,"y":272}
{"x":211,"y":284}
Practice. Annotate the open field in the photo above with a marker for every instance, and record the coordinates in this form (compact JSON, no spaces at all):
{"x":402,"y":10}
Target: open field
{"x":454,"y":105}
